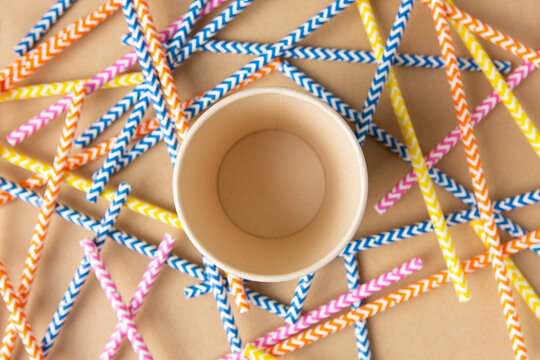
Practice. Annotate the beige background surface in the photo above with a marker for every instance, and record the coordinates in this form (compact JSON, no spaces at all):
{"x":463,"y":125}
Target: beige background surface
{"x":432,"y":326}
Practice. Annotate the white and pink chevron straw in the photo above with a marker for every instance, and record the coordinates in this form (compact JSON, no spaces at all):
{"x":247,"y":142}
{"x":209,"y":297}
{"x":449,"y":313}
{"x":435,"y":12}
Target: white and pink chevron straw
{"x":118,"y":67}
{"x":111,"y":291}
{"x":334,"y":306}
{"x":148,"y":279}
{"x":481,"y":111}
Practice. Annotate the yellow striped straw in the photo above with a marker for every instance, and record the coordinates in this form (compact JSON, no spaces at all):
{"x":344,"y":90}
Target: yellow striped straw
{"x":132,"y":203}
{"x":66,"y":87}
{"x":497,"y":82}
{"x":516,"y":277}
{"x":254,"y":353}
{"x":417,"y":158}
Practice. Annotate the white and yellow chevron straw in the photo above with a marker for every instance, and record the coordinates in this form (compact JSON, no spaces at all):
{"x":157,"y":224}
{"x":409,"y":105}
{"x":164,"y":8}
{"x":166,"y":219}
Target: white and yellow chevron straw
{"x":132,"y":203}
{"x":416,"y":157}
{"x":516,"y":277}
{"x":497,"y":82}
{"x":66,"y":87}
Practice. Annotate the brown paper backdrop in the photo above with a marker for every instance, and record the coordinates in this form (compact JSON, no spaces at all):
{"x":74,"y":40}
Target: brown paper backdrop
{"x":432,"y":326}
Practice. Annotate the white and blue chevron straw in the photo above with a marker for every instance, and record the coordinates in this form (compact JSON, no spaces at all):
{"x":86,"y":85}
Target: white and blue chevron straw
{"x":299,"y":298}
{"x":42,"y":26}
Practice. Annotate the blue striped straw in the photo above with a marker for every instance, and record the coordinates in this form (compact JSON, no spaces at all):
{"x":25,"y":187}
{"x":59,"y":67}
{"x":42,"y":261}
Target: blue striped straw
{"x":299,"y":298}
{"x":346,"y":55}
{"x":383,"y":69}
{"x":360,"y":327}
{"x":276,"y":50}
{"x":390,"y":142}
{"x":110,"y":165}
{"x":423,"y":227}
{"x":77,"y":283}
{"x":42,"y":26}
{"x":107,"y":119}
{"x":152,"y":82}
{"x":222,"y":301}
{"x":177,"y":42}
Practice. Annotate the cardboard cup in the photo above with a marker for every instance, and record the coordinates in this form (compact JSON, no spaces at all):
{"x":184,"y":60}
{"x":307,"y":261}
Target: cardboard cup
{"x":270,"y":184}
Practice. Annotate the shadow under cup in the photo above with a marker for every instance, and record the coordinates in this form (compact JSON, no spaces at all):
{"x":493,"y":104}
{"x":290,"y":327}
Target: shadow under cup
{"x":270,"y":184}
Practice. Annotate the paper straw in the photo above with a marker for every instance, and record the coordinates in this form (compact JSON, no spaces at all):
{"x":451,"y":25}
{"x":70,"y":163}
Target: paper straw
{"x":65,"y":87}
{"x":121,"y":310}
{"x":344,"y":55}
{"x":110,"y":165}
{"x":384,"y":72}
{"x":276,"y":50}
{"x":477,"y":176}
{"x":148,"y":279}
{"x":334,"y":306}
{"x":390,"y":142}
{"x":299,"y":298}
{"x":424,"y":227}
{"x":81,"y":274}
{"x":160,"y":61}
{"x":20,"y":320}
{"x":254,"y":353}
{"x":46,"y":210}
{"x":398,"y":297}
{"x":42,"y":26}
{"x":491,"y":34}
{"x":24,"y":66}
{"x":360,"y":328}
{"x":481,"y":111}
{"x":222,"y":302}
{"x":516,"y":277}
{"x":113,"y":114}
{"x":95,"y":83}
{"x":236,"y":288}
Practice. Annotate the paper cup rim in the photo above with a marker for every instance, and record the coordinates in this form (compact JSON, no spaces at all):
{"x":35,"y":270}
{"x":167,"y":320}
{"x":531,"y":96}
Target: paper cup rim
{"x":338,"y":247}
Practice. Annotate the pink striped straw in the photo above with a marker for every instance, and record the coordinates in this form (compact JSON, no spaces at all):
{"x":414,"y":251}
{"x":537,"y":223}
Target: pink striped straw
{"x":481,"y":111}
{"x":334,"y":306}
{"x":111,"y":291}
{"x":142,"y":290}
{"x":118,"y":67}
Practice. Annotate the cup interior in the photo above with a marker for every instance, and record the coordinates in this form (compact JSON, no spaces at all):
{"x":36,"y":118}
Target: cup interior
{"x":270,"y":184}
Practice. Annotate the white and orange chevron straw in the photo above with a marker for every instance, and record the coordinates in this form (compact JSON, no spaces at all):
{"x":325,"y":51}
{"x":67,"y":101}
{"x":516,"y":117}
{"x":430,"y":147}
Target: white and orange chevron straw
{"x":15,"y":72}
{"x":476,"y":173}
{"x":236,"y":285}
{"x":516,"y":277}
{"x":46,"y":212}
{"x":163,"y":70}
{"x":389,"y":301}
{"x":16,"y":311}
{"x":416,"y":157}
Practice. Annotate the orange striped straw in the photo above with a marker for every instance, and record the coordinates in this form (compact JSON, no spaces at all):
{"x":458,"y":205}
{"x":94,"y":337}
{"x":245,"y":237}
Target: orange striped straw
{"x":162,"y":66}
{"x":236,"y":285}
{"x":476,"y":173}
{"x":397,"y":297}
{"x":13,"y":73}
{"x":46,"y":211}
{"x":16,"y":312}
